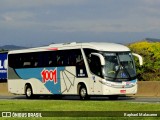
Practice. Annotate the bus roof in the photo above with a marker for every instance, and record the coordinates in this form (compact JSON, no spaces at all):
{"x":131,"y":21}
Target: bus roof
{"x":103,"y":46}
{"x":100,"y":46}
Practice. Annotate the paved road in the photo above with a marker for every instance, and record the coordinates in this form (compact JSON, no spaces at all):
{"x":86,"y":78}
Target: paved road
{"x":128,"y":99}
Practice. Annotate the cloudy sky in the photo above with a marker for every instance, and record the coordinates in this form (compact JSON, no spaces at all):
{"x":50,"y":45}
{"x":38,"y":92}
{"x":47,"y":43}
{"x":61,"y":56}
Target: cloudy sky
{"x":41,"y":22}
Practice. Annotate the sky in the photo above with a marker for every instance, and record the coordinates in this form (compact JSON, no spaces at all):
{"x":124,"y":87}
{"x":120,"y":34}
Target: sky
{"x":42,"y":22}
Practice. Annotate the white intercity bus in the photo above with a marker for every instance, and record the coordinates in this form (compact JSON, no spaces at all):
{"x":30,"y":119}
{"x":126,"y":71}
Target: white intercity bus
{"x":83,"y":69}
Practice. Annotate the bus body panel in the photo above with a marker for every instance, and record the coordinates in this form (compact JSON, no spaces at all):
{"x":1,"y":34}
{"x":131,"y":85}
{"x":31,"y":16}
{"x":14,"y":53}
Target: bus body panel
{"x":64,"y":79}
{"x":19,"y":88}
{"x":121,"y":90}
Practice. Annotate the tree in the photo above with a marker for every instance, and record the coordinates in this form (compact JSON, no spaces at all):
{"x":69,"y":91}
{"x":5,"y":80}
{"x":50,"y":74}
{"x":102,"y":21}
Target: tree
{"x":150,"y":51}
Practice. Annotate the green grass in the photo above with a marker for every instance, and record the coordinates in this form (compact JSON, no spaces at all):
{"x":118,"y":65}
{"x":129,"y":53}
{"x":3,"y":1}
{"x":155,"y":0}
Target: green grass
{"x":77,"y":105}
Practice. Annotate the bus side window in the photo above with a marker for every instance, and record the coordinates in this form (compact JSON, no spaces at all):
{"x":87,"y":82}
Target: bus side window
{"x":66,"y":58}
{"x":15,"y":61}
{"x":95,"y":65}
{"x":72,"y":59}
{"x":52,"y":60}
{"x":88,"y":52}
{"x":26,"y":64}
{"x":80,"y":65}
{"x":60,"y":59}
{"x":79,"y":60}
{"x":26,"y":60}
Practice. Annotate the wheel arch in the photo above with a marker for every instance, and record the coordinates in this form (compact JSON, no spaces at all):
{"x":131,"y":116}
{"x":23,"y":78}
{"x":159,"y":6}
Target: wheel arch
{"x":79,"y":86}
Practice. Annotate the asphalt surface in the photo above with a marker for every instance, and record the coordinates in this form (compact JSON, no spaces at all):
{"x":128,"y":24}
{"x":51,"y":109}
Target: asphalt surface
{"x":123,"y":98}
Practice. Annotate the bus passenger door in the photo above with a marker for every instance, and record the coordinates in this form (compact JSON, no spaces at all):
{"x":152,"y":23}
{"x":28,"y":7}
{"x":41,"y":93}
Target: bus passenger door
{"x":96,"y":69}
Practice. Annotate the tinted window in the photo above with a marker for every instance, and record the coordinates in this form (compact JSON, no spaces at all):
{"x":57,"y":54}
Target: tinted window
{"x":46,"y":59}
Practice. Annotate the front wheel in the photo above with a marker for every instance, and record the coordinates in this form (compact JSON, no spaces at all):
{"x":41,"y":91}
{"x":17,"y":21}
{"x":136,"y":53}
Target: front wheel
{"x":29,"y":92}
{"x":83,"y":93}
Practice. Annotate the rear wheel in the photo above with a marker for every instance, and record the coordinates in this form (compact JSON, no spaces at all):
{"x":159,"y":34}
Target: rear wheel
{"x":83,"y":93}
{"x":29,"y":92}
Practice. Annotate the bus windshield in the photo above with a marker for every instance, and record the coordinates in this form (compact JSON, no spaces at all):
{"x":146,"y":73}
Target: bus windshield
{"x":119,"y":66}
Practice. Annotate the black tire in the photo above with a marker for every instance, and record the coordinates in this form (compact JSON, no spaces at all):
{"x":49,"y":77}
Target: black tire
{"x":29,"y":92}
{"x":83,"y":93}
{"x":113,"y":97}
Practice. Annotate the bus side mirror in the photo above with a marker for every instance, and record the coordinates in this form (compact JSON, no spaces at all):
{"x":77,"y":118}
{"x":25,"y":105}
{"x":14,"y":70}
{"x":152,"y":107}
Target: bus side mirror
{"x":102,"y":60}
{"x":139,"y":57}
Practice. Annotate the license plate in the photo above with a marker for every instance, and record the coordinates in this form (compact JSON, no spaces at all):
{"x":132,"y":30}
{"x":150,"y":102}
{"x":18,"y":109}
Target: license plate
{"x":122,"y":91}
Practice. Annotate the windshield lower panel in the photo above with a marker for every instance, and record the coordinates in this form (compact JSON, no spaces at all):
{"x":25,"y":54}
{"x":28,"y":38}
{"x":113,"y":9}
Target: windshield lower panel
{"x":119,"y":66}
